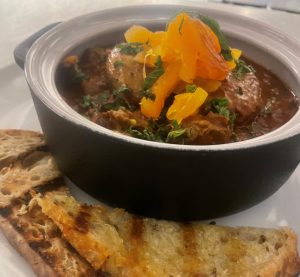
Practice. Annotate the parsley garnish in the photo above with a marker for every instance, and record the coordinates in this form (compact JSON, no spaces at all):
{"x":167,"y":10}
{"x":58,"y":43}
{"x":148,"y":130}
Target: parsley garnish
{"x":95,"y":101}
{"x":154,"y":74}
{"x":120,"y":100}
{"x":130,"y":48}
{"x":214,"y":25}
{"x":148,"y":94}
{"x":77,"y":73}
{"x":191,"y":88}
{"x":114,"y":105}
{"x":176,"y":132}
{"x":145,"y":134}
{"x":86,"y":101}
{"x":118,"y":64}
{"x":121,"y":90}
{"x":220,"y":106}
{"x":241,"y":69}
{"x":152,"y":77}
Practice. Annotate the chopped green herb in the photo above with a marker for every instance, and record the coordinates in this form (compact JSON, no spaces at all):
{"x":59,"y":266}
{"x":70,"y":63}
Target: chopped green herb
{"x":103,"y":97}
{"x":241,"y":69}
{"x":191,"y":88}
{"x":176,"y":132}
{"x":172,"y":135}
{"x":121,"y":90}
{"x":148,"y":94}
{"x":214,"y":25}
{"x":180,"y":26}
{"x":87,"y":102}
{"x":220,"y":106}
{"x":226,"y":53}
{"x":118,"y":64}
{"x":145,"y":134}
{"x":130,"y":48}
{"x":115,"y":105}
{"x":77,"y":73}
{"x":154,"y":74}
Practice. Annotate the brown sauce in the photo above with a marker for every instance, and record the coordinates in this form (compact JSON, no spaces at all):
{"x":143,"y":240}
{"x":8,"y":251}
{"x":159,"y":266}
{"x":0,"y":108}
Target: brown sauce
{"x":261,"y":103}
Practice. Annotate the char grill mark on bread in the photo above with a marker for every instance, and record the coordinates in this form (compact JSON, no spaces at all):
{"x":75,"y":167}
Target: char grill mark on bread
{"x":29,"y":231}
{"x":39,"y":240}
{"x":192,"y":262}
{"x":125,"y":245}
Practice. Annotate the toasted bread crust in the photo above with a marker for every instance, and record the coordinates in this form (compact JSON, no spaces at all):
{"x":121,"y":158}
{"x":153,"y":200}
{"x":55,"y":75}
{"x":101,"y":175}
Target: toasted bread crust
{"x":39,"y":240}
{"x":133,"y":247}
{"x":14,"y":144}
{"x":38,"y":168}
{"x":21,"y":245}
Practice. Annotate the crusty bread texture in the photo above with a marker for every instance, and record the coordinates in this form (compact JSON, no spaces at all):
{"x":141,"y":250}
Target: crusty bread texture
{"x":38,"y":239}
{"x":30,"y":231}
{"x":38,"y":168}
{"x":17,"y":143}
{"x":125,"y":245}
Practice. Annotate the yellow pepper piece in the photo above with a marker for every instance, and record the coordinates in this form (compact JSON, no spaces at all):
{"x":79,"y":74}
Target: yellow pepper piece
{"x":186,"y":104}
{"x":235,"y":53}
{"x":70,"y":61}
{"x":208,"y":85}
{"x":152,"y":47}
{"x":162,"y":88}
{"x":137,"y":33}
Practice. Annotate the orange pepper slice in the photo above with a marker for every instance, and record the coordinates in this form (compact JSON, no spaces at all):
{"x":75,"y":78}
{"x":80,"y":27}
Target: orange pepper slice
{"x":162,"y":88}
{"x":208,"y":85}
{"x":186,"y":104}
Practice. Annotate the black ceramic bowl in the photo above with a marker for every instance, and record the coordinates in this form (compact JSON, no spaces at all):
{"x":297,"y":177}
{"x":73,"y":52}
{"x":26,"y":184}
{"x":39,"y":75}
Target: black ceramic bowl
{"x":156,"y":179}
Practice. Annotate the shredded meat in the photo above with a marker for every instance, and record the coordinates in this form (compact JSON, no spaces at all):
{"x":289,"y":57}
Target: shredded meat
{"x":210,"y":129}
{"x":128,"y":73}
{"x":92,"y":64}
{"x":120,"y":120}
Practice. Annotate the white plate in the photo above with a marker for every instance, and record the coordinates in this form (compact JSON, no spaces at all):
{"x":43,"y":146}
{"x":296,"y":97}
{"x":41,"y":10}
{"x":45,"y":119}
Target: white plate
{"x":17,"y":111}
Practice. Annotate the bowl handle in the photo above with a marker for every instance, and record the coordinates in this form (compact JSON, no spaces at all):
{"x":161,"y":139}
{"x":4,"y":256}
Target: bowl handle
{"x":22,"y":49}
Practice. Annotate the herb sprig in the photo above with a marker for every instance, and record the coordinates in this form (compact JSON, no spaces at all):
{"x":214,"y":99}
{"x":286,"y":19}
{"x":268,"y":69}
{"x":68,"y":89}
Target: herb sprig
{"x":152,"y":77}
{"x":241,"y":69}
{"x":130,"y":48}
{"x":220,"y":106}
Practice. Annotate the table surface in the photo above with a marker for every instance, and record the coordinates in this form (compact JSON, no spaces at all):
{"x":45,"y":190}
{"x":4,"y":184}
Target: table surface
{"x":19,"y":19}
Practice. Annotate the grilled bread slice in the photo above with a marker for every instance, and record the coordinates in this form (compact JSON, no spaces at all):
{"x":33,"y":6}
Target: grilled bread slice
{"x":125,"y":245}
{"x":16,"y":143}
{"x":36,"y":169}
{"x":38,"y":239}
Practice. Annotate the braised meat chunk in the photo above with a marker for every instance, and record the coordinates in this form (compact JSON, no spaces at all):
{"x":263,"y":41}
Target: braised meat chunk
{"x":182,"y":85}
{"x":93,"y":67}
{"x":120,"y":120}
{"x":244,"y":95}
{"x":124,"y":71}
{"x":210,"y":129}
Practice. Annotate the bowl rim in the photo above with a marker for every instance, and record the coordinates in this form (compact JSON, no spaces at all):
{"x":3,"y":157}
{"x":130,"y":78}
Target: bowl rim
{"x":265,"y":29}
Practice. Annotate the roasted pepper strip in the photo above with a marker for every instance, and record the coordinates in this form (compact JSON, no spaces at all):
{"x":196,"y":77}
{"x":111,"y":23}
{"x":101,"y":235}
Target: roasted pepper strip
{"x":162,"y":88}
{"x":186,"y":104}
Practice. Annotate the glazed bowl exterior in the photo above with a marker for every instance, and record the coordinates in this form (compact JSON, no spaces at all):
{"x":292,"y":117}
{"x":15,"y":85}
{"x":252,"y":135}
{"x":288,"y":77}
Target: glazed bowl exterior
{"x":161,"y":180}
